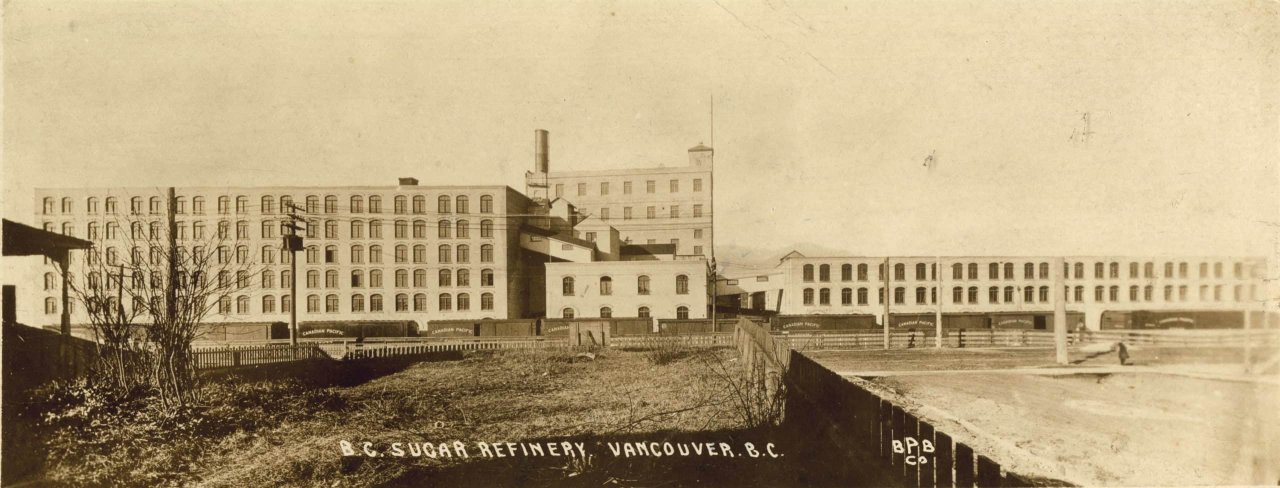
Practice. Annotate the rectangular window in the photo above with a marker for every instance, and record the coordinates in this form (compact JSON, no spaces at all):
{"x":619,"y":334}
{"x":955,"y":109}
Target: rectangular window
{"x":697,"y":250}
{"x":559,"y":190}
{"x":626,"y":188}
{"x":650,"y":186}
{"x":626,"y":213}
{"x":697,"y":184}
{"x":675,"y":186}
{"x":697,"y":211}
{"x":604,"y":213}
{"x":582,"y":189}
{"x":651,"y":212}
{"x":675,"y":211}
{"x":604,"y":188}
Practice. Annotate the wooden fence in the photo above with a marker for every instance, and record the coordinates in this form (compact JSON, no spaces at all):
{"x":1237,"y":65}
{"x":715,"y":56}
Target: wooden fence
{"x":234,"y":356}
{"x":697,"y":340}
{"x":399,"y":348}
{"x":1029,"y":338}
{"x":867,"y":428}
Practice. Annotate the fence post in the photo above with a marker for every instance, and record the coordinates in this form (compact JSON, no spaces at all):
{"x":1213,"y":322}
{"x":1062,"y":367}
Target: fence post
{"x":964,"y":466}
{"x":988,"y":473}
{"x":235,"y":358}
{"x":943,"y":460}
{"x":926,"y":470}
{"x":911,"y":430}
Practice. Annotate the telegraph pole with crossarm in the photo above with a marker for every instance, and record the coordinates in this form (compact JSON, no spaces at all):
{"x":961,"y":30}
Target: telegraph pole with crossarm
{"x":293,"y":244}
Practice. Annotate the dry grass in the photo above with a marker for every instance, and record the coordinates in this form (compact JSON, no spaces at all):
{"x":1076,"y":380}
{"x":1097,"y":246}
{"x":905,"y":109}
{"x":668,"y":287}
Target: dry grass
{"x":486,"y":397}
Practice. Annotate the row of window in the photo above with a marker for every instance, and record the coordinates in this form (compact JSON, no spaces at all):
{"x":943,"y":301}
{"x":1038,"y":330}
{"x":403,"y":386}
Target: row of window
{"x":445,"y":229}
{"x":682,"y":312}
{"x":1029,"y":271}
{"x":651,"y":212}
{"x":267,"y":279}
{"x":650,"y":186}
{"x":155,"y":205}
{"x":1030,"y":294}
{"x":606,"y":285}
{"x":445,"y":254}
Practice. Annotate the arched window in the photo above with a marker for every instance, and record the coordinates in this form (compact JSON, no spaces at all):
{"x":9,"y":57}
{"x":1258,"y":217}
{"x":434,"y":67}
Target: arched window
{"x":331,"y":303}
{"x":1008,"y":294}
{"x":900,"y":272}
{"x":444,"y":278}
{"x":808,"y":272}
{"x":1044,"y":294}
{"x":486,"y":253}
{"x":50,"y":305}
{"x":920,"y":294}
{"x":420,"y":302}
{"x":401,"y":254}
{"x":973,"y":272}
{"x":375,"y":206}
{"x":402,"y":301}
{"x":846,"y":296}
{"x":486,"y":204}
{"x":446,"y":302}
{"x":268,"y":304}
{"x":643,"y":312}
{"x":642,"y":285}
{"x":567,"y":313}
{"x":464,"y":277}
{"x":445,"y":229}
{"x":402,"y":278}
{"x":419,"y":253}
{"x":1029,"y":271}
{"x":419,"y":229}
{"x":442,"y":204}
{"x":824,"y":296}
{"x":566,"y":286}
{"x":682,"y":312}
{"x":921,"y":272}
{"x":375,"y":254}
{"x":606,"y":285}
{"x":111,"y":205}
{"x":682,"y":285}
{"x":486,"y":301}
{"x":357,"y":278}
{"x":268,"y":255}
{"x":357,"y":254}
{"x":486,"y":228}
{"x":357,"y":302}
{"x":286,"y":205}
{"x":419,"y":204}
{"x":464,"y":302}
{"x":357,"y":204}
{"x":606,"y":312}
{"x":1029,"y":293}
{"x":862,"y":272}
{"x":463,"y":229}
{"x":808,"y":296}
{"x":242,"y":304}
{"x":313,"y":303}
{"x":464,"y":253}
{"x":1098,"y":294}
{"x":824,"y":272}
{"x":993,"y":294}
{"x":461,"y":206}
{"x":973,"y":294}
{"x":375,"y":300}
{"x":1114,"y":293}
{"x":400,"y":204}
{"x":1044,"y":271}
{"x":91,"y":205}
{"x":957,"y":295}
{"x":846,"y":272}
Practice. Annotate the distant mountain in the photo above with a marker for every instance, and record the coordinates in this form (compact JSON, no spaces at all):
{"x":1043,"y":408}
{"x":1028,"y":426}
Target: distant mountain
{"x":735,"y":259}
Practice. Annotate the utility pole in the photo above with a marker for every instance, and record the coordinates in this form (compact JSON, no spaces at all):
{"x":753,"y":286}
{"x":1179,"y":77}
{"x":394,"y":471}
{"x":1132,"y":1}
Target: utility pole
{"x":119,"y":294}
{"x":712,"y":207}
{"x":293,"y":244}
{"x":887,"y":295}
{"x":171,"y":290}
{"x":937,"y":318}
{"x":1060,"y":310}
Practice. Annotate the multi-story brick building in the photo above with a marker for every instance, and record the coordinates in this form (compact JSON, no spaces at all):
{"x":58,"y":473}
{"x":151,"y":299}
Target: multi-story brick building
{"x":1094,"y":287}
{"x":404,"y":252}
{"x":659,"y":205}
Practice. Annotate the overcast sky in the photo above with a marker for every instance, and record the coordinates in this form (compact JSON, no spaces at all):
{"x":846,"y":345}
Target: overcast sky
{"x":824,"y":111}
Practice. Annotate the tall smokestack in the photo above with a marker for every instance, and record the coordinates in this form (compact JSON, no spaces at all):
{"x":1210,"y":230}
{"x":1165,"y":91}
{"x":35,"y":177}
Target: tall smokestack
{"x":541,"y":163}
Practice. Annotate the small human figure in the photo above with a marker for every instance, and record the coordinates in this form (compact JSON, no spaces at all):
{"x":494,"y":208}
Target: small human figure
{"x":1124,"y":353}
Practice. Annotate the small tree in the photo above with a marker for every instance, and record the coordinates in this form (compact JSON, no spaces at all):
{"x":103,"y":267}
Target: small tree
{"x":173,"y":285}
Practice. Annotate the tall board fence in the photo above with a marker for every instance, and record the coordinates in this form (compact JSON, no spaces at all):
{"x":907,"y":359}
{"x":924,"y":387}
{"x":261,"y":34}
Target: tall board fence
{"x":809,"y":341}
{"x":865,"y":427}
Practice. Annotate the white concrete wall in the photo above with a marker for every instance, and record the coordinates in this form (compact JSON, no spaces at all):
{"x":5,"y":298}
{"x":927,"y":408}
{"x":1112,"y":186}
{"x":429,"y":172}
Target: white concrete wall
{"x":663,"y":301}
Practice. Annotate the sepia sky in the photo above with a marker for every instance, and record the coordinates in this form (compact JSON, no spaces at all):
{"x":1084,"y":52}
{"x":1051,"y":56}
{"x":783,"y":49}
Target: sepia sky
{"x":824,"y":111}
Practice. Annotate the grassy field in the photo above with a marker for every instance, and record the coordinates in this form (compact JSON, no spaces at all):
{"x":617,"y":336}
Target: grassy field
{"x":259,"y":429}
